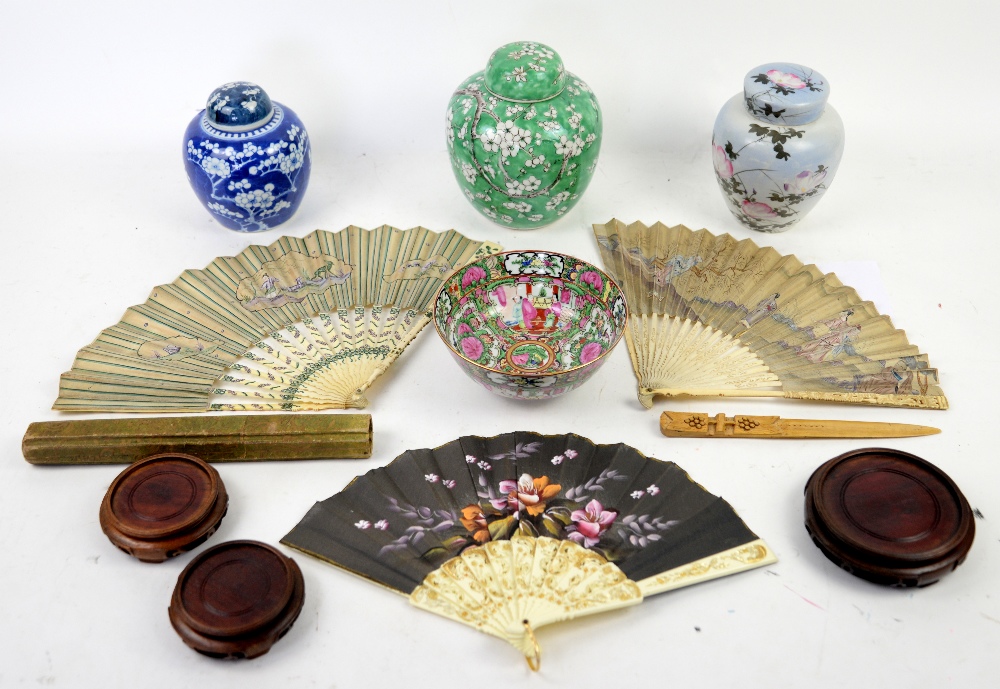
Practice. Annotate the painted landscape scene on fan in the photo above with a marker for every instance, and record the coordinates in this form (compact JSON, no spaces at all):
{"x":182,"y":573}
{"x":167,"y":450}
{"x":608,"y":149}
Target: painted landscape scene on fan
{"x":782,"y":324}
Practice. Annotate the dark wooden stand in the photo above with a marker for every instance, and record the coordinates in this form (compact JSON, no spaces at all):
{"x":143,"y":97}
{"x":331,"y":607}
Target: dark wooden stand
{"x":163,"y":505}
{"x":237,"y":599}
{"x":888,"y":517}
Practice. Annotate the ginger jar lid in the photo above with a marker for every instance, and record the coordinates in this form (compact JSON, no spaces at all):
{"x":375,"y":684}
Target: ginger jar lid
{"x":525,"y":72}
{"x":785,"y":93}
{"x":239,"y":106}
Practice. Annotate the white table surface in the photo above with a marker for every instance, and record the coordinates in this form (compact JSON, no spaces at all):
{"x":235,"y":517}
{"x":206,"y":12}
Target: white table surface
{"x":96,"y":210}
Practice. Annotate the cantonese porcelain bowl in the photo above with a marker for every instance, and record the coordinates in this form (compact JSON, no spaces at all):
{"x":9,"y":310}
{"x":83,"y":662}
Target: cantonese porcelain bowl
{"x":530,"y":324}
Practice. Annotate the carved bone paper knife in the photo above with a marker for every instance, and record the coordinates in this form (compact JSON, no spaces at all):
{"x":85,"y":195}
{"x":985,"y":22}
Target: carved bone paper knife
{"x":675,"y":424}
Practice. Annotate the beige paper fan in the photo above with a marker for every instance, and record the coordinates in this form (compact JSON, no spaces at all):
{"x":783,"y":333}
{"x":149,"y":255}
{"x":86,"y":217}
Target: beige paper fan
{"x":713,"y":316}
{"x":301,"y":324}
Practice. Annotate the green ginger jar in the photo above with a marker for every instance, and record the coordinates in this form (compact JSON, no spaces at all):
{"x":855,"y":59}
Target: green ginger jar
{"x":524,"y":135}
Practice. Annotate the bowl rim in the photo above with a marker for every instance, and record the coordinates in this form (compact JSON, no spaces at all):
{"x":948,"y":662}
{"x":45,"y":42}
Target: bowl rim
{"x":543,"y":374}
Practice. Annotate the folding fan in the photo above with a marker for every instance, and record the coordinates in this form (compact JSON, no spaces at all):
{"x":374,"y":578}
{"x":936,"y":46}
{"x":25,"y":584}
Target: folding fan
{"x":301,"y":324}
{"x":714,"y":316}
{"x":510,"y":533}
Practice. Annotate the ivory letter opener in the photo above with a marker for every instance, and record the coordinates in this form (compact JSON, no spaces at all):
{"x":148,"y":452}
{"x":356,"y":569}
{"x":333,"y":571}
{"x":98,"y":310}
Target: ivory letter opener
{"x":675,"y":424}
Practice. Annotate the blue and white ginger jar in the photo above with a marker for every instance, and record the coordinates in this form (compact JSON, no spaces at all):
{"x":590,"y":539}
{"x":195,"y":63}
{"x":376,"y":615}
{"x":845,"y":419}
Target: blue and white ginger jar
{"x":777,"y":146}
{"x":247,"y":158}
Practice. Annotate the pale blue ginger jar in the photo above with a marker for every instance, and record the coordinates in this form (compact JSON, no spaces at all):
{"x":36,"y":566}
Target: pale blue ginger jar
{"x":777,"y":146}
{"x":247,"y":158}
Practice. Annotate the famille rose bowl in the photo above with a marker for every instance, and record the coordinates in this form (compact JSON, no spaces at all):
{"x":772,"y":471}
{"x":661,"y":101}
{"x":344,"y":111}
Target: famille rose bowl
{"x":530,"y":324}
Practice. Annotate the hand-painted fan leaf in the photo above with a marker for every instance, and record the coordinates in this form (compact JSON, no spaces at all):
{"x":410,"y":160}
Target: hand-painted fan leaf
{"x":301,"y":324}
{"x":714,"y":316}
{"x":404,"y":524}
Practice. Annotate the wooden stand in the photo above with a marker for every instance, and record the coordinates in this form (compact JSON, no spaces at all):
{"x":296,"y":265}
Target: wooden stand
{"x":237,"y":599}
{"x":163,"y":506}
{"x":888,"y":517}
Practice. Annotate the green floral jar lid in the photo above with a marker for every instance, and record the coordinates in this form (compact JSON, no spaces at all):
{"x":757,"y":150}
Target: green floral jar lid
{"x":525,"y":72}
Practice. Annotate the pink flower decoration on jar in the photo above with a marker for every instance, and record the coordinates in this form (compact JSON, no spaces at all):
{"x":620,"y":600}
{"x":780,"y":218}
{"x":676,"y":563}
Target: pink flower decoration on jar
{"x":723,"y":165}
{"x":472,"y":347}
{"x":591,"y":278}
{"x":786,"y":79}
{"x":805,"y":181}
{"x":589,"y":523}
{"x":758,"y":210}
{"x":472,"y":276}
{"x":463,"y":329}
{"x":590,"y":351}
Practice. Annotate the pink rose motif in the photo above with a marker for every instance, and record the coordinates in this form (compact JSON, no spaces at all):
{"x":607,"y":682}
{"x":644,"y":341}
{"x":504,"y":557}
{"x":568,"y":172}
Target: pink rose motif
{"x":758,"y":210}
{"x":806,"y":181}
{"x":463,"y":329}
{"x":786,"y":79}
{"x":564,"y":296}
{"x":590,"y":351}
{"x":472,"y":276}
{"x":590,"y":522}
{"x":472,"y":347}
{"x":593,"y":279}
{"x":519,"y":359}
{"x":723,"y":165}
{"x":501,"y":296}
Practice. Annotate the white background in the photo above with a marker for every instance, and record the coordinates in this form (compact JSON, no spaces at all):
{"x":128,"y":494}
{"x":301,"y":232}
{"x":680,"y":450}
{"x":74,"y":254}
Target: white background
{"x":96,"y":210}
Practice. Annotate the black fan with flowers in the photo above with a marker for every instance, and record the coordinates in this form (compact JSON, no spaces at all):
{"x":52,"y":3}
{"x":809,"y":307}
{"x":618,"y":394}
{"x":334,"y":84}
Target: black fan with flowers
{"x":508,"y":533}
